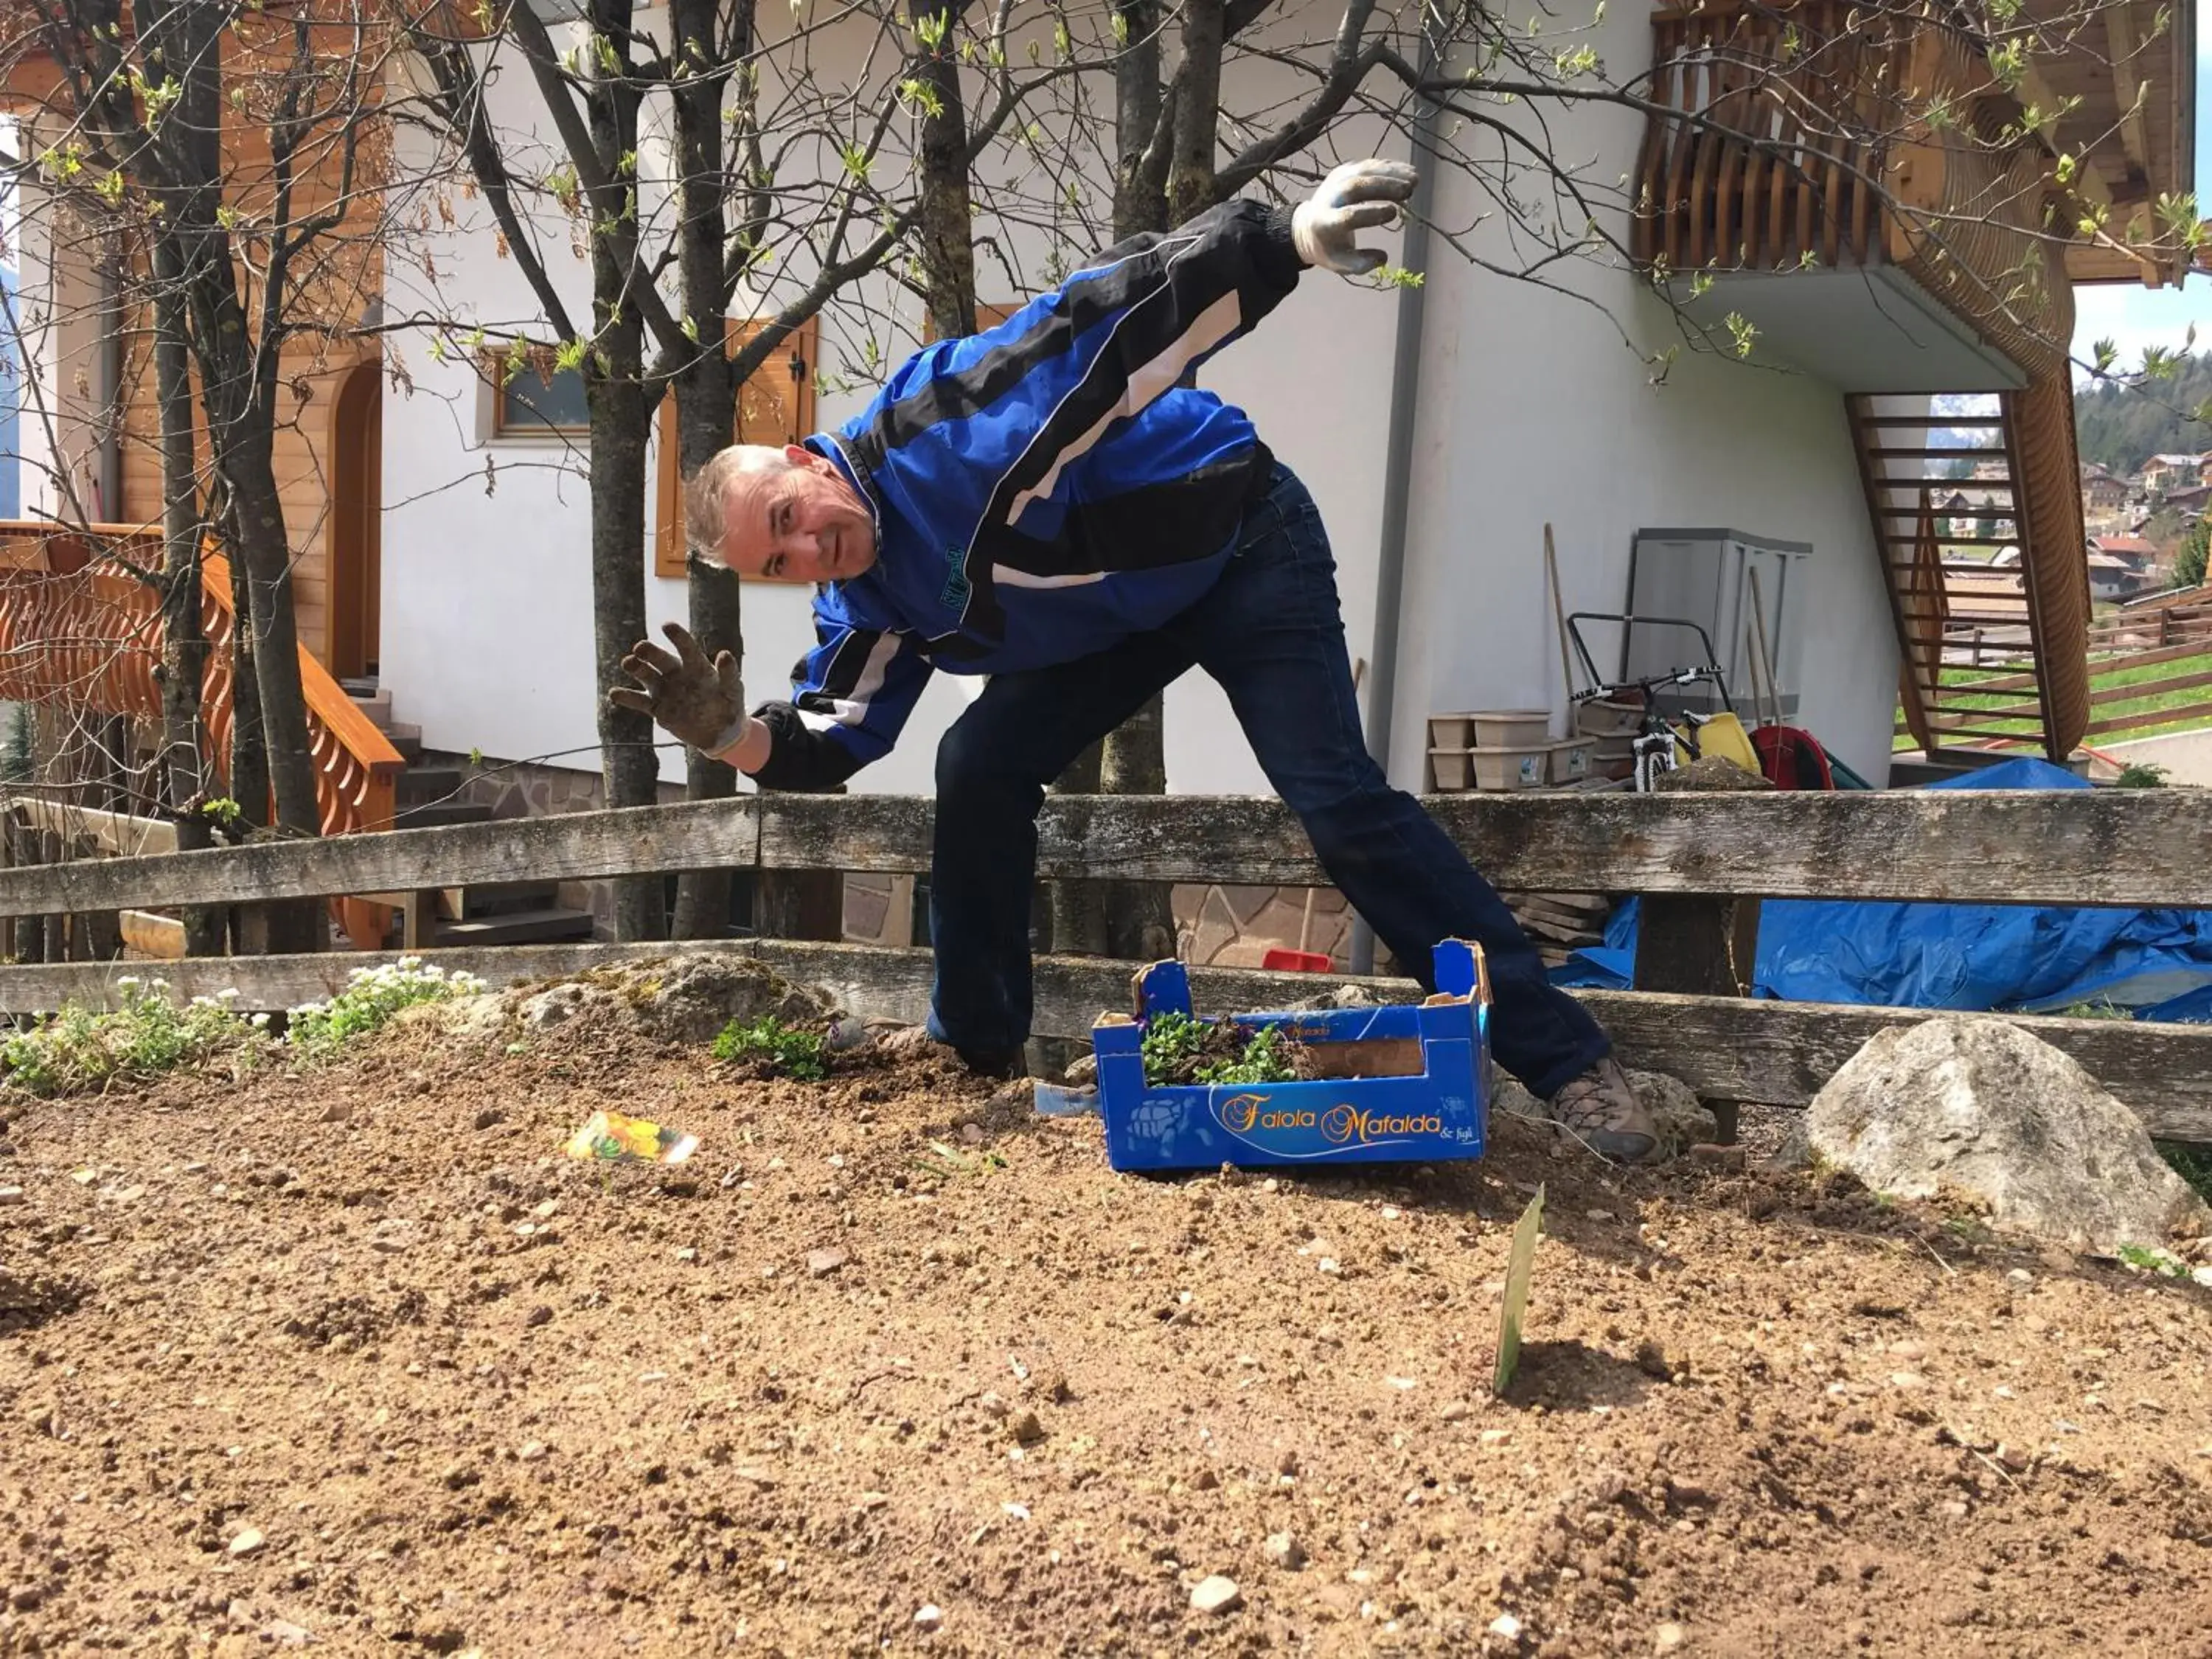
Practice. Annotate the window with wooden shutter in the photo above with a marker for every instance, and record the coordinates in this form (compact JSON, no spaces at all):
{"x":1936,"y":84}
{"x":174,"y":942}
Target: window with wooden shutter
{"x":776,"y":405}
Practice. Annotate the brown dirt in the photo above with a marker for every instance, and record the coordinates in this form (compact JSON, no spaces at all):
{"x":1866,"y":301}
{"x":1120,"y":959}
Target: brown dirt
{"x":469,"y":1395}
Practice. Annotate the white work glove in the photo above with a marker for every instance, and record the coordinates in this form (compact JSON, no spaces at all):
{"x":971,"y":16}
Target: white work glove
{"x":700,"y":701}
{"x":1353,"y":196}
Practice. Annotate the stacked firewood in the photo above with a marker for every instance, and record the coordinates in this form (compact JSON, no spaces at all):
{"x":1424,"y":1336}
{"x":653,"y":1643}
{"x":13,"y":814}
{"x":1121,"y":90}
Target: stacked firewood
{"x":1560,"y":922}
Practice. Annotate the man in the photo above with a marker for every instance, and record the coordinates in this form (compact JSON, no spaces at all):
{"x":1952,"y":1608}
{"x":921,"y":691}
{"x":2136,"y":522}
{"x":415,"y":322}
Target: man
{"x":1054,"y":504}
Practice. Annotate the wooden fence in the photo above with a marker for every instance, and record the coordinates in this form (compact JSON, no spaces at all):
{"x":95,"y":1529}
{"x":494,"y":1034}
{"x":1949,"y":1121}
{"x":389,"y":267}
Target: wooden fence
{"x":2157,"y":638}
{"x":1702,"y":862}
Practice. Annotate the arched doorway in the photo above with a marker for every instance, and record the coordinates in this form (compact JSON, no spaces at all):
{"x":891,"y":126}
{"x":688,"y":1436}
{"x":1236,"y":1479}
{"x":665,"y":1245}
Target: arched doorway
{"x":356,"y":520}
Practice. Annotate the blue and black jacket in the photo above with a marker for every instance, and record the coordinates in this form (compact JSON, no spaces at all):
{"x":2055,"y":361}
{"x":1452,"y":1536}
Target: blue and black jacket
{"x":1042,"y":490}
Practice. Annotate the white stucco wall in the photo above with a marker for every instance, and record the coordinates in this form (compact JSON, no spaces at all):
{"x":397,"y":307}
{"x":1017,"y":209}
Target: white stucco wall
{"x":1530,"y":410}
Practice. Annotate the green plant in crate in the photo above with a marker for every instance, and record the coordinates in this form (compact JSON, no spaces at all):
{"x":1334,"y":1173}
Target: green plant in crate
{"x":1263,"y":1060}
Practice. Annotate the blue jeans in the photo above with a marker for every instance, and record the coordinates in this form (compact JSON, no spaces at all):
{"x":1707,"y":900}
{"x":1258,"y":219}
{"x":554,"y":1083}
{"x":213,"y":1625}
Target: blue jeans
{"x":1271,"y":634}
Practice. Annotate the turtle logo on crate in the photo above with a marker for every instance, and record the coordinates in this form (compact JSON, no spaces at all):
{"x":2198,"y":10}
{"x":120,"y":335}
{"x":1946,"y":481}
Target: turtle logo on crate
{"x":1294,"y":1131}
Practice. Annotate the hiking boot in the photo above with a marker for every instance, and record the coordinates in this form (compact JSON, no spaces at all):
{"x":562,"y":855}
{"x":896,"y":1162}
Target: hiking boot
{"x":996,"y":1064}
{"x":1600,"y":1109}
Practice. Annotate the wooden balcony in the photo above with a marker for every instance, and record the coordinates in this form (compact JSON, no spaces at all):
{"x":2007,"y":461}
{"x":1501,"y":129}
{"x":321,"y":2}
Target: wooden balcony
{"x":1794,"y":162}
{"x":80,"y":628}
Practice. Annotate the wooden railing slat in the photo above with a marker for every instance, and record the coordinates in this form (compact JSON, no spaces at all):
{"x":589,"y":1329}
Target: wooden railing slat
{"x":2105,"y":847}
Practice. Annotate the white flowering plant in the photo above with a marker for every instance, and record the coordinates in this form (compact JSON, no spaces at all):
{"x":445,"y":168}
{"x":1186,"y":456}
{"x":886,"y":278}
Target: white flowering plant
{"x":371,"y":998}
{"x":148,"y":1033}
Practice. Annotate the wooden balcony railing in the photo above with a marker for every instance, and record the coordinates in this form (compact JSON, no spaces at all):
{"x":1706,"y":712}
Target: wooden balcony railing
{"x":81,"y":630}
{"x":1816,"y":134}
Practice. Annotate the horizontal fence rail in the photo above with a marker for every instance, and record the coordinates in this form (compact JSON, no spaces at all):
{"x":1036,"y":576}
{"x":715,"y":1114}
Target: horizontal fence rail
{"x":1693,"y":855}
{"x":2134,"y":848}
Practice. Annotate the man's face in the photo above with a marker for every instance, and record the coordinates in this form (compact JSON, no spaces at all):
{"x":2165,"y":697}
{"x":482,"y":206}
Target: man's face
{"x":804,"y":524}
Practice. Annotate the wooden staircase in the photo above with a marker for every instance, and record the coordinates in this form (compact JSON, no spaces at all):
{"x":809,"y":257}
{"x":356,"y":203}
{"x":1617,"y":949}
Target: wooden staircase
{"x":1993,"y":587}
{"x":426,"y":796}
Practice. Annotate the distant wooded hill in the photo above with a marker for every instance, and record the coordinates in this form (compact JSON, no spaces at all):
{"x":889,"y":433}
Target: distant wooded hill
{"x":2124,"y":428}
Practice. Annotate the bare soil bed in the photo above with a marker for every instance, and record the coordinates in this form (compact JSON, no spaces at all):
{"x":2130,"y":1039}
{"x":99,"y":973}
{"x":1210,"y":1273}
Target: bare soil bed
{"x":353,"y":1358}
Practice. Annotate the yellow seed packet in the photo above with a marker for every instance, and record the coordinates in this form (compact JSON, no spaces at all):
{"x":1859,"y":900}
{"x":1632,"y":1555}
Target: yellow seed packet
{"x":613,"y":1138}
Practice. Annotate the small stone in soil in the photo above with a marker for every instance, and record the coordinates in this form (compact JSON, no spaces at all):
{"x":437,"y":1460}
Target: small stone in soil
{"x":532,"y":1450}
{"x":1669,"y":1637}
{"x":929,"y":1616}
{"x":491,"y":1117}
{"x":10,"y":1196}
{"x":1215,"y":1595}
{"x":290,"y":1634}
{"x":247,"y":1542}
{"x":820,"y":1264}
{"x":1284,"y":1549}
{"x":1025,"y":1428}
{"x":1455,"y":1412}
{"x":1505,"y":1626}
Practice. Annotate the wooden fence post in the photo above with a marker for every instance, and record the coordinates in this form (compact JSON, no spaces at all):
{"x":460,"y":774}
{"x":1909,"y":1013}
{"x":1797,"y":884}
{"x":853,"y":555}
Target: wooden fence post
{"x":799,"y":903}
{"x":1700,"y":947}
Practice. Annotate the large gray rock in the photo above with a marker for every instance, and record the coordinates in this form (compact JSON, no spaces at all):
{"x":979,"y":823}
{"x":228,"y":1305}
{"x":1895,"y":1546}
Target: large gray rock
{"x":1979,"y":1108}
{"x":685,"y":998}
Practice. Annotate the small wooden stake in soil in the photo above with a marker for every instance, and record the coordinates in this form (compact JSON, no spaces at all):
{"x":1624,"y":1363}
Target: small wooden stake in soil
{"x":1519,"y":1263}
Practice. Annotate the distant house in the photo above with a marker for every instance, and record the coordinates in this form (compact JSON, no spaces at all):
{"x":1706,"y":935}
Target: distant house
{"x":2100,"y":490}
{"x":2163,"y":474}
{"x":2191,"y":501}
{"x":2111,"y":577}
{"x":2132,"y":551}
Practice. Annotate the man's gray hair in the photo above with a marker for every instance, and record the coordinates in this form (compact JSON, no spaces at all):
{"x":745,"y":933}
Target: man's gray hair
{"x":704,"y":512}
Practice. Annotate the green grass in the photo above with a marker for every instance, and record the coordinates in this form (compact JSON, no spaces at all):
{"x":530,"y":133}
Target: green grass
{"x":2110,"y":679}
{"x":2192,"y":1164}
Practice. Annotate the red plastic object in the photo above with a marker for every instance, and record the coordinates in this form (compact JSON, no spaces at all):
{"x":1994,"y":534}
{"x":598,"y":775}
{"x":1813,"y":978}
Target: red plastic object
{"x":1296,"y":962}
{"x":1792,"y":759}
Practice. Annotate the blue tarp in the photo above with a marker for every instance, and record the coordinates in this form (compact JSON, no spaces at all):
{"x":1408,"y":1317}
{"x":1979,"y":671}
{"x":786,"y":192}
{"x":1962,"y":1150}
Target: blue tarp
{"x":2012,"y":957}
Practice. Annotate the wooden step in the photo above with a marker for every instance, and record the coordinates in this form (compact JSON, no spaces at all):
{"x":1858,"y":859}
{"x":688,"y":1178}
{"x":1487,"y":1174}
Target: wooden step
{"x":1902,"y":453}
{"x":427,"y":785}
{"x":1924,"y":424}
{"x":493,"y":899}
{"x":521,"y":927}
{"x":1907,"y":538}
{"x":2005,"y":514}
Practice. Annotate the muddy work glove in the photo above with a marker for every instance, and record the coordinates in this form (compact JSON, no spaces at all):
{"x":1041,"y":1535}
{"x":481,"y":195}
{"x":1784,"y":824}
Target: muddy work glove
{"x":700,"y":701}
{"x":1352,"y":198}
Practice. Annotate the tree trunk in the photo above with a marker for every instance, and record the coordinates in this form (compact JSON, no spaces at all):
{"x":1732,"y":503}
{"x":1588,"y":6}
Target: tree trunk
{"x":630,"y":765}
{"x":1139,"y":916}
{"x":705,"y":390}
{"x":184,"y":642}
{"x":249,"y":743}
{"x":621,"y":421}
{"x":1138,"y":202}
{"x":1198,"y":108}
{"x":263,"y":549}
{"x":945,"y":228}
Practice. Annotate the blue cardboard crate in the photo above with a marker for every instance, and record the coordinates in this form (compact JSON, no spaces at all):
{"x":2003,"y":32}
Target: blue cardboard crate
{"x":1442,"y":1112}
